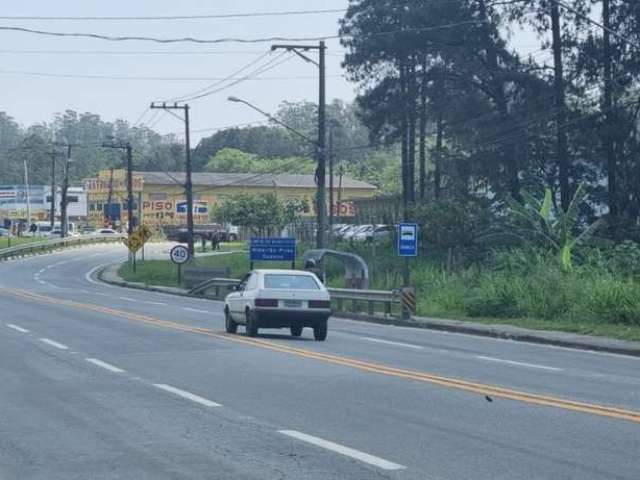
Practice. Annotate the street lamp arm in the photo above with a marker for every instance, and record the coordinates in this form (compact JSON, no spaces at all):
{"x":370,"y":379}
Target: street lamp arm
{"x":274,"y":120}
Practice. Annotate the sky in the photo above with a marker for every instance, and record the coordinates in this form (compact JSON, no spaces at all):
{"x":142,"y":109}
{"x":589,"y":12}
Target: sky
{"x":30,"y":97}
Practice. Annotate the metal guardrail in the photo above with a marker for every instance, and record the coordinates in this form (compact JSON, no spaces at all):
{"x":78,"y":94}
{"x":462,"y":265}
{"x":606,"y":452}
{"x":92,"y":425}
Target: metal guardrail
{"x":49,"y":245}
{"x":371,"y":297}
{"x":215,"y":283}
{"x":387,"y":298}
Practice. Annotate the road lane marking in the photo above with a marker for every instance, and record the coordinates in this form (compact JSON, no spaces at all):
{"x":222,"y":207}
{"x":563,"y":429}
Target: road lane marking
{"x":187,"y":395}
{"x":148,"y":302}
{"x":105,"y":365}
{"x":341,"y":449}
{"x":397,"y":344}
{"x":425,"y":377}
{"x":17,"y":328}
{"x":519,"y":364}
{"x":128,"y":299}
{"x":189,"y":309}
{"x":48,"y":341}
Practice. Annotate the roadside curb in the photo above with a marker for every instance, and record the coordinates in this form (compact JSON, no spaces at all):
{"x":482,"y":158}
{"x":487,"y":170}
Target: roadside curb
{"x":508,"y":332}
{"x":109,"y":275}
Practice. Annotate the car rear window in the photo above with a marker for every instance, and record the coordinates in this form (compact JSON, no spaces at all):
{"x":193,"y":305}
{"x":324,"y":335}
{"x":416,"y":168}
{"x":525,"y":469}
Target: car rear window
{"x":290,"y":282}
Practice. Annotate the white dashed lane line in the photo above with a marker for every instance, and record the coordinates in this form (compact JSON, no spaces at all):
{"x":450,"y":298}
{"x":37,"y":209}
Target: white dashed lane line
{"x":48,"y":341}
{"x":17,"y":328}
{"x":105,"y":365}
{"x":397,"y":344}
{"x":128,"y":299}
{"x":187,"y":395}
{"x":341,"y":449}
{"x":148,"y":302}
{"x":195,"y":310}
{"x":519,"y":364}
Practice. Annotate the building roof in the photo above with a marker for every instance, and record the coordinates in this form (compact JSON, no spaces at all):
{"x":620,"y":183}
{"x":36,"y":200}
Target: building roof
{"x":283,"y":180}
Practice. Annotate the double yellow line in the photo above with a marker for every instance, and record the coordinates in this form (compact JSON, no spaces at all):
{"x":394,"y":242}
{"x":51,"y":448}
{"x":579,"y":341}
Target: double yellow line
{"x":472,"y":387}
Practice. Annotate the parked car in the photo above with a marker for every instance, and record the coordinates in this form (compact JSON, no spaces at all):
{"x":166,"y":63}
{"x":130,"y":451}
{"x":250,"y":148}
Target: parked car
{"x":362,"y":233}
{"x":88,"y":230}
{"x":380,"y":232}
{"x":279,"y":299}
{"x":106,"y":231}
{"x":4,"y":232}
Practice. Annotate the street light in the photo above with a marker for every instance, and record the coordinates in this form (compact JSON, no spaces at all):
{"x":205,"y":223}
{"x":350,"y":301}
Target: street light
{"x":275,"y":120}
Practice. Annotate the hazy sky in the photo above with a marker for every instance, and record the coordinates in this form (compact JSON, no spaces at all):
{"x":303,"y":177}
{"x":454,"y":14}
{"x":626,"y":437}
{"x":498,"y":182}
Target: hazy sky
{"x":31,"y":98}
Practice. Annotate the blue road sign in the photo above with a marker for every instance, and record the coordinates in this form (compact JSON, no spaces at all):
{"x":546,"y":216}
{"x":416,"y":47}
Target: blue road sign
{"x":408,"y":240}
{"x":264,"y":248}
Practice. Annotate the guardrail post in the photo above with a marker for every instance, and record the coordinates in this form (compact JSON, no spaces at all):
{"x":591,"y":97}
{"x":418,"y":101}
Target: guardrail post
{"x":387,"y":308}
{"x":370,"y":308}
{"x":354,"y":305}
{"x":340,"y":304}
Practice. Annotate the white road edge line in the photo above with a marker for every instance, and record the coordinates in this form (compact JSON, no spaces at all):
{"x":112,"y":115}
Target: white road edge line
{"x":105,"y":365}
{"x":195,"y":310}
{"x":48,"y":341}
{"x":187,"y":395}
{"x":341,"y":449}
{"x":519,"y":364}
{"x":17,"y":328}
{"x":148,"y":302}
{"x":128,"y":299}
{"x":397,"y":344}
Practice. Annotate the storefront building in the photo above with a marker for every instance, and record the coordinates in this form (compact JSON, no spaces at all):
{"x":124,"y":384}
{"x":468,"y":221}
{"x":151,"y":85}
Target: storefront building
{"x":161,"y":196}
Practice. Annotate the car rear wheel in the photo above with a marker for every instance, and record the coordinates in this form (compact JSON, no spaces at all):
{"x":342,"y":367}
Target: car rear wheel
{"x":252,"y":324}
{"x":232,"y":237}
{"x":320,"y":331}
{"x":296,"y":331}
{"x":229,"y":325}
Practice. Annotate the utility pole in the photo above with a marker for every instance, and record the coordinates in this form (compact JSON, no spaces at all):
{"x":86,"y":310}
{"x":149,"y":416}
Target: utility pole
{"x":188,"y":187}
{"x":109,"y":197}
{"x":322,"y":126}
{"x":52,"y":214}
{"x":331,"y":161}
{"x":64,"y":224}
{"x":27,"y":193}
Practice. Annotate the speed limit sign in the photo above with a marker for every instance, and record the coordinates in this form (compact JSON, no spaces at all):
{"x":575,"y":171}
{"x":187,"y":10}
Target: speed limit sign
{"x":179,"y":254}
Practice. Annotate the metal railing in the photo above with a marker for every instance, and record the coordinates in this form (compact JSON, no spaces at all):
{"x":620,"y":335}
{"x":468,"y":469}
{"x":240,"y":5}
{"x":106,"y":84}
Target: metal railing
{"x":358,"y":298}
{"x":55,"y":244}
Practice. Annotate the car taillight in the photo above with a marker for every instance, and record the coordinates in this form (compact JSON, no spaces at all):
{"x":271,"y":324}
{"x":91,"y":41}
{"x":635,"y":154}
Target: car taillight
{"x":266,"y":302}
{"x":319,"y":304}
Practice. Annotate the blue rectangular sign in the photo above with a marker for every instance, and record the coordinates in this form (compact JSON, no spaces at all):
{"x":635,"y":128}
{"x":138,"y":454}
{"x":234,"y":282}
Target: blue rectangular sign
{"x":264,"y":248}
{"x":408,"y":240}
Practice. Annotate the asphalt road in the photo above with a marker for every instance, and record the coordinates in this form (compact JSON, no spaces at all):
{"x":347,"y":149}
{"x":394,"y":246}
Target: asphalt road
{"x":101,"y":382}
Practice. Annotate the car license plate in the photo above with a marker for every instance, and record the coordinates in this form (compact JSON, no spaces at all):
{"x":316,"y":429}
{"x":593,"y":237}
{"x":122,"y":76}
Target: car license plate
{"x":292,"y":303}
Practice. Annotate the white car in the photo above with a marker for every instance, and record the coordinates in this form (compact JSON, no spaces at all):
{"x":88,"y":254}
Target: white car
{"x":106,"y":231}
{"x":279,"y":299}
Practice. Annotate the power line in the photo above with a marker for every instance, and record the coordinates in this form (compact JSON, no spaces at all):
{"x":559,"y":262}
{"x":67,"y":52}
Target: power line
{"x":142,"y":52}
{"x":154,"y":78}
{"x":237,"y":72}
{"x":177,"y":17}
{"x":264,"y":68}
{"x":112,"y":38}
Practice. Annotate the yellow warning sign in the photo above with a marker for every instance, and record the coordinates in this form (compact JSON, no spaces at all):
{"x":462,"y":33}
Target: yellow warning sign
{"x":138,"y":238}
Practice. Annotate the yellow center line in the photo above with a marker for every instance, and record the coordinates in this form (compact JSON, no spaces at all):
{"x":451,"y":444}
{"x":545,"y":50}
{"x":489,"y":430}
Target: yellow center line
{"x":472,"y":387}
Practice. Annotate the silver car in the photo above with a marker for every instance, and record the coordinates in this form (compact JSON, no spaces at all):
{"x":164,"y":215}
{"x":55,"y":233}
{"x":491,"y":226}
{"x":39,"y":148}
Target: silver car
{"x":279,"y":299}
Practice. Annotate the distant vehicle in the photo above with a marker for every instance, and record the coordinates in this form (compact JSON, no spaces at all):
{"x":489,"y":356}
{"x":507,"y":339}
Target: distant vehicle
{"x":4,"y":232}
{"x":362,"y":233}
{"x":279,"y":299}
{"x":106,"y":231}
{"x":380,"y":232}
{"x":88,"y":230}
{"x":211,"y":232}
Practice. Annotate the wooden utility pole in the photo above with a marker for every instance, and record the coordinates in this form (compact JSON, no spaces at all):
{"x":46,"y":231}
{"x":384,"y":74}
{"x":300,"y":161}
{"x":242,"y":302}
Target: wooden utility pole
{"x":188,"y":187}
{"x":560,"y":106}
{"x":321,"y":174}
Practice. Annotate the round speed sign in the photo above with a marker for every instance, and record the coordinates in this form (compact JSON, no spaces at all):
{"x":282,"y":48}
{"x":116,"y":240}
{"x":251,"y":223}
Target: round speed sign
{"x":179,"y":254}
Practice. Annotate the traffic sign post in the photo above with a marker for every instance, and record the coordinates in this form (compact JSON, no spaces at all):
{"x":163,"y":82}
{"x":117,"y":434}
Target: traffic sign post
{"x":273,"y":249}
{"x":407,"y":248}
{"x":136,"y":241}
{"x":179,"y":255}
